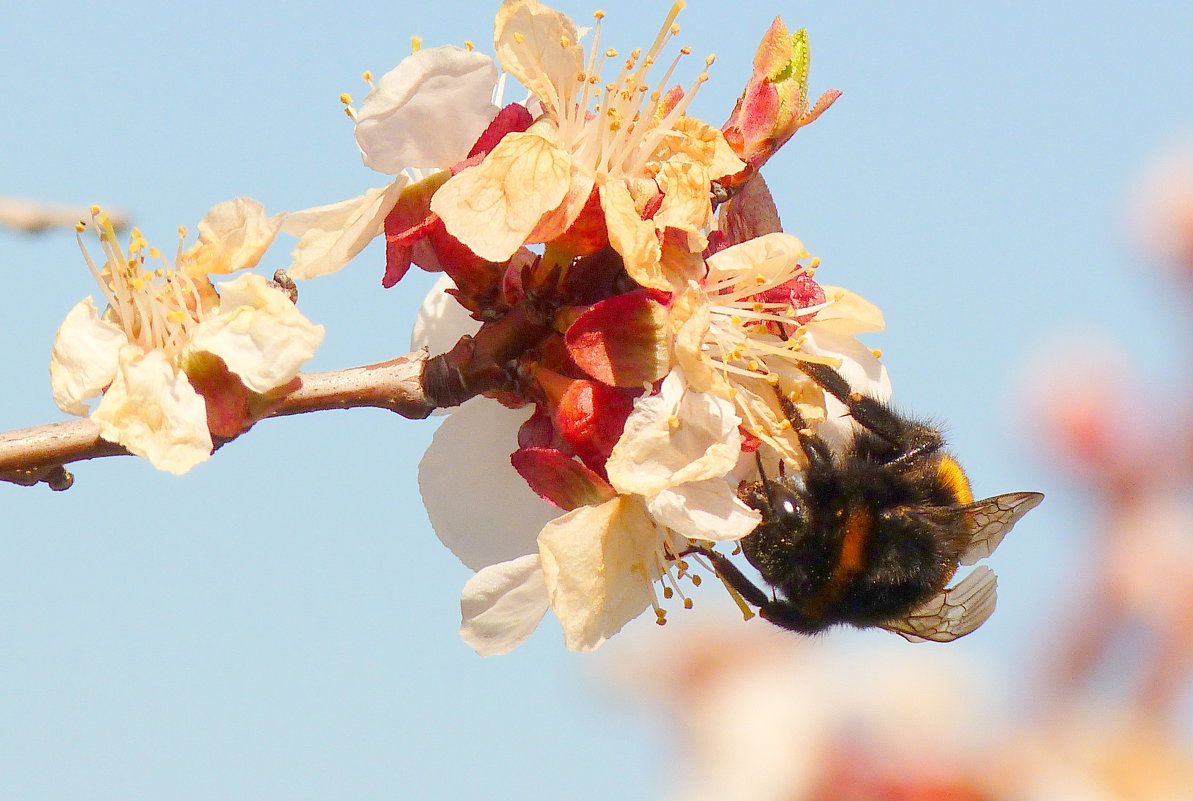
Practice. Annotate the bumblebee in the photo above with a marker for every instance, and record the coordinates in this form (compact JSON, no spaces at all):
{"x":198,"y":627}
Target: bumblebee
{"x":872,"y":536}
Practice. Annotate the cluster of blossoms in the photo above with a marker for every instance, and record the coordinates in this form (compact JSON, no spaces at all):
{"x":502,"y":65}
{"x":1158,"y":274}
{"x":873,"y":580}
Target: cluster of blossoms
{"x":176,"y":361}
{"x":616,"y":285}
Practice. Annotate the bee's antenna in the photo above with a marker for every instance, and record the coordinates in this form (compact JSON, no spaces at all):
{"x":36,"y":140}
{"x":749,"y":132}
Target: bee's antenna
{"x":770,"y":499}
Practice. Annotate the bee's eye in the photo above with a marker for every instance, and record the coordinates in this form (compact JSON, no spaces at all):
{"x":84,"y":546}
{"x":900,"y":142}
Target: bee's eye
{"x":789,"y":507}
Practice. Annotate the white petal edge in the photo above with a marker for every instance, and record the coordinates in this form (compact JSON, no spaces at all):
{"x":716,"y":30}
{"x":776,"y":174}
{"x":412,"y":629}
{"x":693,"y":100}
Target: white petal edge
{"x":428,"y":111}
{"x":705,"y":510}
{"x":651,"y":456}
{"x":502,"y":605}
{"x":469,"y":455}
{"x":84,"y":357}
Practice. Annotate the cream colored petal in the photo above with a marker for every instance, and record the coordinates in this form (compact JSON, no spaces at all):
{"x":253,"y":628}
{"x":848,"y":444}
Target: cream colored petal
{"x":84,"y":357}
{"x":259,"y":333}
{"x":686,"y":203}
{"x":848,"y":313}
{"x":703,"y":145}
{"x":537,"y":44}
{"x":632,"y":237}
{"x":428,"y":111}
{"x":502,"y":605}
{"x":691,"y":311}
{"x":674,"y":437}
{"x":554,"y":223}
{"x":233,"y":235}
{"x":330,"y":236}
{"x":493,"y":207}
{"x":599,"y":566}
{"x":772,"y":257}
{"x":152,"y":410}
{"x":706,"y":510}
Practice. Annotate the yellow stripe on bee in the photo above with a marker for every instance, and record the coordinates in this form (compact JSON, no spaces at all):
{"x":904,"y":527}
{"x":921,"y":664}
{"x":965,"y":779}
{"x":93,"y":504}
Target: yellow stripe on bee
{"x":953,"y":477}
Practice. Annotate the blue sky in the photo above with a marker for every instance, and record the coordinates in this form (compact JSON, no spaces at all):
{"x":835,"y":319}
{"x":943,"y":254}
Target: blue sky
{"x":281,"y":622}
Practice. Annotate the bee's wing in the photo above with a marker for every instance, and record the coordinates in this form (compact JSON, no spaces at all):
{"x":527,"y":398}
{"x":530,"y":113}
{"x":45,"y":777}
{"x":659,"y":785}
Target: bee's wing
{"x":953,"y":612}
{"x":992,"y":518}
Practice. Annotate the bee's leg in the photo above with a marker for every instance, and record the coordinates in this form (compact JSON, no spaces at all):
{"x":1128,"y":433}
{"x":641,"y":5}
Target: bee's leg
{"x":815,"y":448}
{"x":910,"y":440}
{"x":732,"y":575}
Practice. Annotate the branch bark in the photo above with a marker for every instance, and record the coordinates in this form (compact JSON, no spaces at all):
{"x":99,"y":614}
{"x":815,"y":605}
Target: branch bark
{"x":39,"y":454}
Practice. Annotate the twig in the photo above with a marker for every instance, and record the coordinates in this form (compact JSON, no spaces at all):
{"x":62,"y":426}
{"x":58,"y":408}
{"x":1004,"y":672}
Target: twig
{"x":30,"y":456}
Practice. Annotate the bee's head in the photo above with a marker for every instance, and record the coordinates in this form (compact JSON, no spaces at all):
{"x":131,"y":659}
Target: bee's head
{"x":789,"y":505}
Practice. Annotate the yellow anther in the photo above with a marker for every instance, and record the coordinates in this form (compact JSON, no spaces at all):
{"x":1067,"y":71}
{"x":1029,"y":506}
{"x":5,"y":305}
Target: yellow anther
{"x":468,"y":45}
{"x":758,"y":307}
{"x":674,"y":29}
{"x":753,"y":365}
{"x":94,"y":210}
{"x":565,"y":42}
{"x":610,"y":53}
{"x":668,"y":593}
{"x":367,"y":76}
{"x":784,"y":425}
{"x":673,"y":422}
{"x":182,"y":232}
{"x":814,"y":263}
{"x":710,"y":59}
{"x":735,"y":320}
{"x":732,"y":392}
{"x":877,"y":353}
{"x":687,"y":51}
{"x":696,"y":580}
{"x":772,"y":379}
{"x":760,"y":279}
{"x":346,"y":99}
{"x":176,"y":316}
{"x":687,"y":603}
{"x":80,"y":226}
{"x":416,"y":44}
{"x":598,"y":14}
{"x":519,"y":37}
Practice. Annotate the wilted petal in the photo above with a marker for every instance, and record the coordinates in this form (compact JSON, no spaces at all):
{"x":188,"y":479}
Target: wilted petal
{"x":502,"y":605}
{"x":233,"y":235}
{"x":152,"y":410}
{"x":599,"y":565}
{"x":674,"y":437}
{"x":478,"y":505}
{"x":330,"y":236}
{"x":535,"y":44}
{"x":635,"y":239}
{"x":427,"y":111}
{"x":706,"y":510}
{"x":493,"y":206}
{"x":84,"y":357}
{"x":259,"y":333}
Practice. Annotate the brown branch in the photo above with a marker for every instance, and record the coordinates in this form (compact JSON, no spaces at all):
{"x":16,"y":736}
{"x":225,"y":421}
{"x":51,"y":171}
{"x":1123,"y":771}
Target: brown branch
{"x":30,"y":456}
